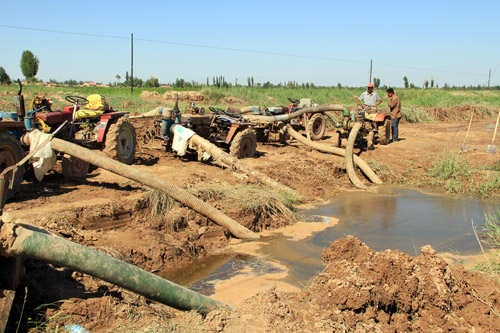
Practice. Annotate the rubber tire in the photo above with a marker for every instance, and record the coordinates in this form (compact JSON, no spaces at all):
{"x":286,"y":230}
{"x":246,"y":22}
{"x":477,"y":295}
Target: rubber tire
{"x":74,"y":168}
{"x":121,"y":142}
{"x":337,"y":139}
{"x":11,"y":152}
{"x":316,"y":127}
{"x":384,"y":132}
{"x":244,"y":144}
{"x":370,"y":140}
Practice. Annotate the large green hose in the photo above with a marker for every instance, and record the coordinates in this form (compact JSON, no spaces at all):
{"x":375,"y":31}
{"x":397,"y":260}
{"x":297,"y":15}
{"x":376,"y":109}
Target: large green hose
{"x":150,"y":180}
{"x":18,"y":240}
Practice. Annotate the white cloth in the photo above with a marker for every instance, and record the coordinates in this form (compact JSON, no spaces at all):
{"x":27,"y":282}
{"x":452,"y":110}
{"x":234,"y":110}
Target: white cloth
{"x":181,"y":137}
{"x":44,"y":159}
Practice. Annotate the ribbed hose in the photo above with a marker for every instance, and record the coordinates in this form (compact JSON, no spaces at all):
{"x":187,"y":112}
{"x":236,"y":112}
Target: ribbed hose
{"x":288,"y":116}
{"x":20,"y":241}
{"x":150,"y":180}
{"x":372,"y":176}
{"x":235,"y":163}
{"x":349,"y":157}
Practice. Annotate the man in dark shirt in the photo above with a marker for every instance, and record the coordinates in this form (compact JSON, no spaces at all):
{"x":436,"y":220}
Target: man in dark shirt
{"x":395,"y":106}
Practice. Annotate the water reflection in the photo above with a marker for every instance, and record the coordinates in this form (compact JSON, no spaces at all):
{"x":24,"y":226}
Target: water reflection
{"x":405,"y":220}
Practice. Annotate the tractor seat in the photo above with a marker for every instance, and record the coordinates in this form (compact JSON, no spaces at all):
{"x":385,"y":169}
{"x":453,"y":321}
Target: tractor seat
{"x":58,"y":117}
{"x":88,"y":113}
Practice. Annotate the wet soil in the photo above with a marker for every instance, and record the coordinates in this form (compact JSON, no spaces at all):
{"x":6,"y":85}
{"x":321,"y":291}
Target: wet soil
{"x":360,"y":289}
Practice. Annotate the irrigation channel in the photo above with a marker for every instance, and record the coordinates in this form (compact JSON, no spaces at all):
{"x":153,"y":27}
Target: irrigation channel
{"x":402,"y":219}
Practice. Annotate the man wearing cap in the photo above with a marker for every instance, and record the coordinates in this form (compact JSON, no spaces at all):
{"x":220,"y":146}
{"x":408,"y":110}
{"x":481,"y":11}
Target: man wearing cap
{"x":370,"y":98}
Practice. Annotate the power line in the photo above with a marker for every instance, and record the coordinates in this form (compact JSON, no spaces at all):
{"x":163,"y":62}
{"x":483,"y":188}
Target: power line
{"x":250,"y":51}
{"x":243,"y":50}
{"x":63,"y":32}
{"x":429,"y":69}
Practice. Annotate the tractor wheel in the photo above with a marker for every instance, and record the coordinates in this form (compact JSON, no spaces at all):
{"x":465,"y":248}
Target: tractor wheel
{"x":316,"y":126}
{"x":244,"y":144}
{"x":120,"y":141}
{"x":74,"y":168}
{"x":11,"y":152}
{"x":337,"y":139}
{"x":384,"y":132}
{"x":370,"y":140}
{"x":285,"y":138}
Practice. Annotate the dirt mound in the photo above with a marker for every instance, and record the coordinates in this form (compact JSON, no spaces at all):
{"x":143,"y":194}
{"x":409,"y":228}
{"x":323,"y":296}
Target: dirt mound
{"x":363,"y":290}
{"x":149,"y":94}
{"x":183,"y":96}
{"x":456,"y":113}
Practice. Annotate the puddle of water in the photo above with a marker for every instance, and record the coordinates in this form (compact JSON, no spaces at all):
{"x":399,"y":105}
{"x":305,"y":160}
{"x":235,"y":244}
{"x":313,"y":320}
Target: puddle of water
{"x":203,"y":275}
{"x":404,"y":219}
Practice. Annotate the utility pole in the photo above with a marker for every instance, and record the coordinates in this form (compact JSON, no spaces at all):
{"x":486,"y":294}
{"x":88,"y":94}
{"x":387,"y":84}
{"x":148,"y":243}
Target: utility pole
{"x":489,"y":77}
{"x":371,"y":63}
{"x":132,"y":65}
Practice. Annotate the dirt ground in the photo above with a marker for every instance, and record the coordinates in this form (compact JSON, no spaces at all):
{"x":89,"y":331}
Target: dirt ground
{"x":359,"y":290}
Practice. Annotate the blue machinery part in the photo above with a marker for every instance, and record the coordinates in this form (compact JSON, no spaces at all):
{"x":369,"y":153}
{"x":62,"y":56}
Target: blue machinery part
{"x":168,"y":120}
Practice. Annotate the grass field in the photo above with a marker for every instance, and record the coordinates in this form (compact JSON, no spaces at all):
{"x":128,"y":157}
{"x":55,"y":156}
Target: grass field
{"x":414,"y":101}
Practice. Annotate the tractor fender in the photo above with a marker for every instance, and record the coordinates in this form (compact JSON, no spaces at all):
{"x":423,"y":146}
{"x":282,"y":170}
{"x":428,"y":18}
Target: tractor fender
{"x":381,"y":117}
{"x":104,"y":122}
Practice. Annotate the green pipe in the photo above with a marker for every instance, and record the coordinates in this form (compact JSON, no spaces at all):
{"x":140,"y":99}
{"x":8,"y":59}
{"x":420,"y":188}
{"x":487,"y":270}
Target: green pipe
{"x":18,"y":240}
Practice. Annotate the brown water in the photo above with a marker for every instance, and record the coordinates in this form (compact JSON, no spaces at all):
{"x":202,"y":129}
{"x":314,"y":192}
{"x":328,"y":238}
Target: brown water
{"x":402,"y":219}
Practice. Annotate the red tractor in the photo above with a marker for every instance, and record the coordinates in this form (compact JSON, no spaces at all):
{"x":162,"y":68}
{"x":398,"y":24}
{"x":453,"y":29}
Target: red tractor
{"x":91,"y":123}
{"x":95,"y":125}
{"x":222,"y":128}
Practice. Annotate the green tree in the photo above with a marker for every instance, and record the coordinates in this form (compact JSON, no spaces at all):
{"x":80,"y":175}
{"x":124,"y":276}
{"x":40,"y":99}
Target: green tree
{"x":118,"y":78}
{"x":152,"y":83}
{"x":29,"y":65}
{"x":376,"y":82}
{"x":432,"y":83}
{"x":426,"y":84}
{"x":4,"y":78}
{"x":405,"y":79}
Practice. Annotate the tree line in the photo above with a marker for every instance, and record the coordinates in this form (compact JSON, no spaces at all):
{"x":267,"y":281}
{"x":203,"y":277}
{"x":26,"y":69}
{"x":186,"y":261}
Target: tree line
{"x":29,"y":66}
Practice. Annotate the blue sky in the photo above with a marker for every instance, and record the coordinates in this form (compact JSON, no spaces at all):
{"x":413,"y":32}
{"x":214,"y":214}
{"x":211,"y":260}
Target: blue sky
{"x":324,"y":42}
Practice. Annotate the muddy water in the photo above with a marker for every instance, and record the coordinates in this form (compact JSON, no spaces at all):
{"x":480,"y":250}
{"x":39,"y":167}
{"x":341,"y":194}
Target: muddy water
{"x":402,"y":219}
{"x":406,"y":220}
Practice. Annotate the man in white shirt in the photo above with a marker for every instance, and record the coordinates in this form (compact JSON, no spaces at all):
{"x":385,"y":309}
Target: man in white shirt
{"x":370,"y":98}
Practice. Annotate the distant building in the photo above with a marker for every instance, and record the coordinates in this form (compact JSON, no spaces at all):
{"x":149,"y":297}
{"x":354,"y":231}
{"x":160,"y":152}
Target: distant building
{"x":89,"y":84}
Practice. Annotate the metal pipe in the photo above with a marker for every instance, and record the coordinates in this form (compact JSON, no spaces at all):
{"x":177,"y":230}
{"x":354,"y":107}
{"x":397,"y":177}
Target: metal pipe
{"x":16,"y":240}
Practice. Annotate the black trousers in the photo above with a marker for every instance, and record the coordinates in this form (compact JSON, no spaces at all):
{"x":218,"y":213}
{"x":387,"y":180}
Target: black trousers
{"x":395,"y":130}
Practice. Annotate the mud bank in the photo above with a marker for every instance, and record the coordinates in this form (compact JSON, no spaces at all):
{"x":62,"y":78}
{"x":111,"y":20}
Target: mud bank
{"x":364,"y":290}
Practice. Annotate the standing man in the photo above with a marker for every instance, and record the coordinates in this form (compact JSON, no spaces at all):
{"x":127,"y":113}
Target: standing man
{"x":395,"y":106}
{"x":370,"y":98}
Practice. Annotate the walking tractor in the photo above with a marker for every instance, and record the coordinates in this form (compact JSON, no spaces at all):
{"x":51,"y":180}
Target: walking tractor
{"x":220,"y":127}
{"x":376,"y":126}
{"x":90,"y":122}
